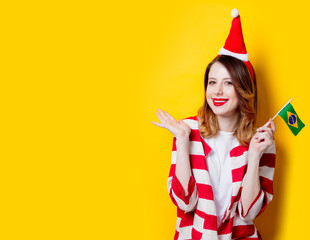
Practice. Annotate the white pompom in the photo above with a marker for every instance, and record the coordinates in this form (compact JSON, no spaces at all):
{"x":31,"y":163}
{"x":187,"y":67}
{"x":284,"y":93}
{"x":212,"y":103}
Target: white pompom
{"x":234,"y":13}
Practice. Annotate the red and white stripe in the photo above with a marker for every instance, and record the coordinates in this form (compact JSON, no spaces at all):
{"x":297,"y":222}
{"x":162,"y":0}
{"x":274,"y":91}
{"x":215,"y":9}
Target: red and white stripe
{"x":196,"y":212}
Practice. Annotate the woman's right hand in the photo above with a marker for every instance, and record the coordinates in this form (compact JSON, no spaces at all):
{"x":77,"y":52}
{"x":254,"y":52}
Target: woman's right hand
{"x":179,"y":129}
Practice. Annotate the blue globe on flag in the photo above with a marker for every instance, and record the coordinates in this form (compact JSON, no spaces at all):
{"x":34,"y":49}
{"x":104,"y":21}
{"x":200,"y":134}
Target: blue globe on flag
{"x":292,"y":119}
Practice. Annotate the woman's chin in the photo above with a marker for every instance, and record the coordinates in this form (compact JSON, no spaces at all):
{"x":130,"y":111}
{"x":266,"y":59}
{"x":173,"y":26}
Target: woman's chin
{"x":223,"y":113}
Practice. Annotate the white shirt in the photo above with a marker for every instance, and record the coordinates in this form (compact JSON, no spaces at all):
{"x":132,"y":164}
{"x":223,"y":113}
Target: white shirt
{"x":219,"y":166}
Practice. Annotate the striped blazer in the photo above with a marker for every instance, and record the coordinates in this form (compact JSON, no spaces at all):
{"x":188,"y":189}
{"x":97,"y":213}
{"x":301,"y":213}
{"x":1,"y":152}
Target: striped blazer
{"x":196,"y":213}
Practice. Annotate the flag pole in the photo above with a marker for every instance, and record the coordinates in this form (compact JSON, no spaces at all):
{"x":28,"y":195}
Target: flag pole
{"x":282,"y":108}
{"x":266,"y":125}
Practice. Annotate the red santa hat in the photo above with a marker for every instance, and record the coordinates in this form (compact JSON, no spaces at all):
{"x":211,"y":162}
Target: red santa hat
{"x":234,"y":45}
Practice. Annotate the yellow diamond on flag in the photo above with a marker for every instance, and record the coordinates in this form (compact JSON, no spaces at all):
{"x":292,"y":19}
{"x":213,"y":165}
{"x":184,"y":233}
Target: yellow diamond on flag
{"x":292,"y":119}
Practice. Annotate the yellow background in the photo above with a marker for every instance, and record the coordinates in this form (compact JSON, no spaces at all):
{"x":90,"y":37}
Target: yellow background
{"x":80,"y":85}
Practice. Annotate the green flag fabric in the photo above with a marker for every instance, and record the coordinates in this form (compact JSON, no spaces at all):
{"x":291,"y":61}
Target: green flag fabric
{"x":291,"y":118}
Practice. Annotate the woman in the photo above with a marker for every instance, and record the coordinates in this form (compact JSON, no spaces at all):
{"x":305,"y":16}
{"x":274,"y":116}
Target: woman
{"x":222,"y":168}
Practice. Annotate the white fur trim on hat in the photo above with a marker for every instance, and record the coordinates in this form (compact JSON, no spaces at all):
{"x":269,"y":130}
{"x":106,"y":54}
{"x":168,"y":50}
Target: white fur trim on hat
{"x":242,"y":57}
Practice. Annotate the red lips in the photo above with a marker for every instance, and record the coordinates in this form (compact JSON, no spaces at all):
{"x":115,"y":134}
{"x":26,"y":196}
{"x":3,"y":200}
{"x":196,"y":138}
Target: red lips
{"x":219,"y":101}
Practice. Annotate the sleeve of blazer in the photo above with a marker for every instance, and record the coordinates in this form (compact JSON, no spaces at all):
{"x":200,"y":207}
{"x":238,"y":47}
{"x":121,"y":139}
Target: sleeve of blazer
{"x":266,"y":173}
{"x":186,"y":203}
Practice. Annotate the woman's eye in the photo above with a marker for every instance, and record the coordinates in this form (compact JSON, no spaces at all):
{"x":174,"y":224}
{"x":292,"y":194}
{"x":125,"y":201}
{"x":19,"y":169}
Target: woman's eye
{"x":228,"y":83}
{"x":211,"y":82}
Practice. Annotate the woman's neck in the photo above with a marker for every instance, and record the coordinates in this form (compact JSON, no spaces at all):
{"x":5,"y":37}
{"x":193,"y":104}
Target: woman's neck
{"x":228,"y":124}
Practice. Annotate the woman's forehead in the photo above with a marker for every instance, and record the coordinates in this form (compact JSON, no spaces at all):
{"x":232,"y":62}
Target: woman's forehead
{"x":218,"y":70}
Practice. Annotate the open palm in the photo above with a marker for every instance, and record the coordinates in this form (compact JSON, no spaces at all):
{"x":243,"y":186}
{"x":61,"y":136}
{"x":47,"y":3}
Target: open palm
{"x":178,"y":128}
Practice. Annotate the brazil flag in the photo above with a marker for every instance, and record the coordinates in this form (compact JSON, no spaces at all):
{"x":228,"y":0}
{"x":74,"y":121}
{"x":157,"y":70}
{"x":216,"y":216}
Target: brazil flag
{"x":291,"y":118}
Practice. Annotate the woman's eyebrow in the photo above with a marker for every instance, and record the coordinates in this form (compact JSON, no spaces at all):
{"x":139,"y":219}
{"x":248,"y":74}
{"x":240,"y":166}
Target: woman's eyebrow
{"x":223,"y":78}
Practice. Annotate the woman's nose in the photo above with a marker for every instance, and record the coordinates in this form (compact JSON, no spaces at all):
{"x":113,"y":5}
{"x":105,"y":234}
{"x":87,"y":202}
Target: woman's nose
{"x":219,"y":90}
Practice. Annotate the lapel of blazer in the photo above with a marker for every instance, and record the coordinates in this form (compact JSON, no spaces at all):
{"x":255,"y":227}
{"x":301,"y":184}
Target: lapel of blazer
{"x":199,"y":166}
{"x":238,"y":156}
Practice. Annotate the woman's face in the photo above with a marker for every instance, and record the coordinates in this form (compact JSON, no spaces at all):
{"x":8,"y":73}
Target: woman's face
{"x":220,"y":93}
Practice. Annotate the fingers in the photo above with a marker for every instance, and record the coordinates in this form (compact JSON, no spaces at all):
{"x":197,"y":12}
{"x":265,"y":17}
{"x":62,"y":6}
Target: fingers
{"x":167,"y":121}
{"x":262,"y":136}
{"x":269,"y":126}
{"x":168,"y":116}
{"x":158,"y":124}
{"x":265,"y":130}
{"x":161,"y":119}
{"x":161,"y":115}
{"x":263,"y":139}
{"x":273,"y":126}
{"x":177,"y":128}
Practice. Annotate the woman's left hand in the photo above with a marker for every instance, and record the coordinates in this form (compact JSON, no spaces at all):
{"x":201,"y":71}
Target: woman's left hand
{"x":262,"y":139}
